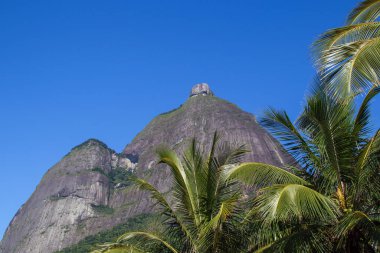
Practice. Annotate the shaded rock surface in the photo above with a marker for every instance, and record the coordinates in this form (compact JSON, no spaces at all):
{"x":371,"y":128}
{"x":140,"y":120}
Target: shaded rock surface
{"x":77,"y":198}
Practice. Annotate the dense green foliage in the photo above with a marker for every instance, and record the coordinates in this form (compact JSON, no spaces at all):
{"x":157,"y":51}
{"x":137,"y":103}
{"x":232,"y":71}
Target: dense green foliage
{"x":90,"y":242}
{"x":340,"y":156}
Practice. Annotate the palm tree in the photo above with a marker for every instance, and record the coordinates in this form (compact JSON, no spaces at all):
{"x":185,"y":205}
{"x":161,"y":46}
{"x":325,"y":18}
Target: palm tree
{"x":340,"y":159}
{"x":204,"y":213}
{"x":209,"y":207}
{"x":348,"y":58}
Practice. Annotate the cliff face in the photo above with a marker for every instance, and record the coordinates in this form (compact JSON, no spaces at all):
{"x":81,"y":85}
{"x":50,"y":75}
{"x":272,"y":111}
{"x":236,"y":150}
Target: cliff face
{"x":63,"y":203}
{"x":79,"y":196}
{"x":200,"y":117}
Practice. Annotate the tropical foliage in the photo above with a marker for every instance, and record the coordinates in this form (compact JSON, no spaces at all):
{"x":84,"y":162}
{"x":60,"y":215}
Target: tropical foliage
{"x":341,"y":160}
{"x":212,"y":213}
{"x":348,"y":58}
{"x":204,"y":216}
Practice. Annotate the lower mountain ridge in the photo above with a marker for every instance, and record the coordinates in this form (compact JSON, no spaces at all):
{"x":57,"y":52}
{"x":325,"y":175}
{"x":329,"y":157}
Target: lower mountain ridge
{"x":88,"y":190}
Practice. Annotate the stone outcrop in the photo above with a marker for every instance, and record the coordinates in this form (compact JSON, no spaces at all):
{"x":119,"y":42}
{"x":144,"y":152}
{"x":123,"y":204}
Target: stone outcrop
{"x":201,"y":89}
{"x":77,"y":197}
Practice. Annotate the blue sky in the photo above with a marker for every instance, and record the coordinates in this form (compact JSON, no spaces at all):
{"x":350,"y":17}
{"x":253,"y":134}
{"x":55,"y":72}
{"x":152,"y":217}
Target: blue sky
{"x":73,"y":70}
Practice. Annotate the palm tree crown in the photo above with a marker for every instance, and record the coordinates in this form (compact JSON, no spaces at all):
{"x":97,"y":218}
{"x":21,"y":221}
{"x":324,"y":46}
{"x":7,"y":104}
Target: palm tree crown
{"x":204,"y":216}
{"x":340,"y":158}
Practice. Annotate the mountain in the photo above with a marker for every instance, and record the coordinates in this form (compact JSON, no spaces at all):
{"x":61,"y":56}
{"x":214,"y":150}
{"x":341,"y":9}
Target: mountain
{"x":88,"y":190}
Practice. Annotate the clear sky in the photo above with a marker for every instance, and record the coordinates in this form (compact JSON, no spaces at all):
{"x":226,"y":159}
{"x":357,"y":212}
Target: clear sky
{"x":73,"y":70}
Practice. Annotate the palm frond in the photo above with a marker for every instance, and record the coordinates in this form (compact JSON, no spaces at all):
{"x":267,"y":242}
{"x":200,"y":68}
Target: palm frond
{"x":366,"y":11}
{"x":169,"y":157}
{"x":361,"y":124}
{"x":211,"y":231}
{"x":351,"y":68}
{"x":183,"y":190}
{"x":143,"y":238}
{"x":305,"y":239}
{"x":293,"y":202}
{"x":360,"y":223}
{"x":264,"y":248}
{"x":230,"y":153}
{"x":157,"y":196}
{"x":367,"y":174}
{"x":342,"y":36}
{"x":194,"y":164}
{"x":372,"y":148}
{"x":212,"y":179}
{"x":214,"y":142}
{"x":175,"y":220}
{"x":297,"y":144}
{"x":328,"y":122}
{"x":261,"y":175}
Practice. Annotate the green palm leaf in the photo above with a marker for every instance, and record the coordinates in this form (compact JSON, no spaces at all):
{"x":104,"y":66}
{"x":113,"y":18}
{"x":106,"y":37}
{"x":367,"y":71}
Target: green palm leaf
{"x":211,"y":231}
{"x":367,"y":174}
{"x":361,"y":124}
{"x":370,"y":150}
{"x":293,"y":202}
{"x":351,"y":68}
{"x":342,"y":36}
{"x":362,"y":225}
{"x":143,"y":238}
{"x":296,"y":143}
{"x":347,"y":58}
{"x":261,"y":174}
{"x":183,"y":190}
{"x":328,"y":123}
{"x":176,"y":221}
{"x":304,"y":239}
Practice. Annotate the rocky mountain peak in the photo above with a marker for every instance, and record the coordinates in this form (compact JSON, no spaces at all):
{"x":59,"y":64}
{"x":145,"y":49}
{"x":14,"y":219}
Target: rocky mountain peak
{"x":88,"y":191}
{"x":201,"y":89}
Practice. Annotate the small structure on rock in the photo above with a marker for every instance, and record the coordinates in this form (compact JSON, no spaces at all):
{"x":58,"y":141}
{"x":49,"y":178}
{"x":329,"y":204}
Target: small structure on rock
{"x":201,"y":89}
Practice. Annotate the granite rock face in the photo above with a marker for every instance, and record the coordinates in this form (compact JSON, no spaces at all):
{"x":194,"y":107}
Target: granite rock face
{"x":76,"y":197}
{"x":66,"y":203}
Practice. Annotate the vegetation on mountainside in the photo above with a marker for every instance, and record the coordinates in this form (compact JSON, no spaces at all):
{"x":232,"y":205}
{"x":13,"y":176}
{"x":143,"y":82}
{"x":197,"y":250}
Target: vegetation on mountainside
{"x":90,"y":242}
{"x":117,"y":176}
{"x":120,"y":176}
{"x":102,"y":209}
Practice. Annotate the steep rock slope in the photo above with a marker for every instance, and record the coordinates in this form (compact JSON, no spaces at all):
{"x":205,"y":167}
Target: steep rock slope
{"x":79,"y":197}
{"x":66,"y":203}
{"x":200,"y":116}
